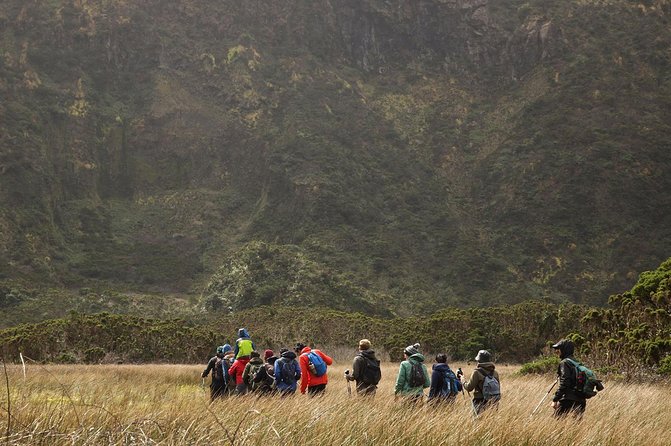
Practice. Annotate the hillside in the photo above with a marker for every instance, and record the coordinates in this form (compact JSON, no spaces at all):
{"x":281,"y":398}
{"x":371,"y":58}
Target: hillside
{"x":413,"y":155}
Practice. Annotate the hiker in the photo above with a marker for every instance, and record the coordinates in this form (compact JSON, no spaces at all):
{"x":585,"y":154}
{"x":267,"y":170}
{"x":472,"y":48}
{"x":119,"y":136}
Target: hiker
{"x":243,"y":345}
{"x":484,"y":383}
{"x":445,"y":386}
{"x":412,"y":377}
{"x":287,"y":373}
{"x":219,"y":367}
{"x":236,"y":371}
{"x":314,"y":376}
{"x":566,"y":399}
{"x":264,"y":379}
{"x":365,"y":370}
{"x":253,"y":366}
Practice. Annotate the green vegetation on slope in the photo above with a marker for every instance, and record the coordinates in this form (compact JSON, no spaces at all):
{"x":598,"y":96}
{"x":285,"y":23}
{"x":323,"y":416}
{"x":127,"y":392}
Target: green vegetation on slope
{"x":422,"y":155}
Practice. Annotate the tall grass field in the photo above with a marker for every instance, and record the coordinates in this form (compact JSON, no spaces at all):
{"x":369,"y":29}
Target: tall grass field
{"x":167,"y":405}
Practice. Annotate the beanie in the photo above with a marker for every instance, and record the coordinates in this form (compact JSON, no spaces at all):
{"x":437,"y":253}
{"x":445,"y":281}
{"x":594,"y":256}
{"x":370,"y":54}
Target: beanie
{"x":412,"y":349}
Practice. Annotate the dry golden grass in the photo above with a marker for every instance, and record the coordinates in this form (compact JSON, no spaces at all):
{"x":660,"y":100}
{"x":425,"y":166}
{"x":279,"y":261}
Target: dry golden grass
{"x":165,"y":404}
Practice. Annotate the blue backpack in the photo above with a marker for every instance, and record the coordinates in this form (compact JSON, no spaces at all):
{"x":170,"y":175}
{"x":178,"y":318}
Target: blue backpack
{"x":451,"y":385}
{"x":316,"y":364}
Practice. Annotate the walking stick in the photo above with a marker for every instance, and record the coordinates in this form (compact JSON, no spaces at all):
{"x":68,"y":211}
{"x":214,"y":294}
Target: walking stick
{"x":349,"y":384}
{"x":544,"y":396}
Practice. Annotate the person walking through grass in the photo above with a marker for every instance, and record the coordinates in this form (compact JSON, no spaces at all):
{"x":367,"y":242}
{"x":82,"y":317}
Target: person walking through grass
{"x":567,"y":400}
{"x":264,"y":379}
{"x":445,"y":386}
{"x":484,"y":383}
{"x":243,"y":345}
{"x":365,"y":370}
{"x":218,"y":365}
{"x":251,"y":369}
{"x":287,"y":373}
{"x":236,"y":371}
{"x":412,"y":377}
{"x":314,"y":376}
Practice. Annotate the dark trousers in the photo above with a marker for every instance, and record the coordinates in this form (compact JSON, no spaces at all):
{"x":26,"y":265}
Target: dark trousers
{"x":316,"y":390}
{"x":575,"y":408}
{"x":480,"y":405}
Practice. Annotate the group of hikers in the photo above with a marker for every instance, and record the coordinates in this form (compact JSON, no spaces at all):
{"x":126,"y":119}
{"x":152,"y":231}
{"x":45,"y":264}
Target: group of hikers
{"x":241,"y":369}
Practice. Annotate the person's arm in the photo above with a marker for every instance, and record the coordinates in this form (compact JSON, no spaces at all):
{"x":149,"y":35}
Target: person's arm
{"x":436,"y":383}
{"x":327,"y":359}
{"x":357,"y":369}
{"x":210,"y":366}
{"x":472,"y":383}
{"x":565,"y":382}
{"x":245,"y":374}
{"x":236,"y":350}
{"x":401,"y":378}
{"x":298,"y":372}
{"x":278,"y":372}
{"x":303,"y":361}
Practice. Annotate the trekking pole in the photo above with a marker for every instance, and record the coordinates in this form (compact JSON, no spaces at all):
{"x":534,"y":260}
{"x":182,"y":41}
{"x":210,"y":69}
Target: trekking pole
{"x":544,"y":396}
{"x":460,"y":373}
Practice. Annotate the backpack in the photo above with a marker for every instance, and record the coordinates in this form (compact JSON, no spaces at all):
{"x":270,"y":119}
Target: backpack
{"x":491,"y":388}
{"x":371,"y":374}
{"x":451,"y":385}
{"x":316,"y":364}
{"x":586,"y":382}
{"x":287,"y":371}
{"x":254,"y":369}
{"x":417,"y":378}
{"x":262,"y":378}
{"x":219,"y":372}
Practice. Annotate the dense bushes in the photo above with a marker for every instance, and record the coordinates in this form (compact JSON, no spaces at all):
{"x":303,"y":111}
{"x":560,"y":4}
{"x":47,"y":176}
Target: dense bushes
{"x":636,"y":330}
{"x":514,"y":333}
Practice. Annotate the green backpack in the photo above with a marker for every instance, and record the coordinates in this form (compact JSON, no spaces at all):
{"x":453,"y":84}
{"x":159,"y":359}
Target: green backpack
{"x":586,"y":382}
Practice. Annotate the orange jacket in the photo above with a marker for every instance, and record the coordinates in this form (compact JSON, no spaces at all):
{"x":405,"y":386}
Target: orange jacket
{"x":307,"y":378}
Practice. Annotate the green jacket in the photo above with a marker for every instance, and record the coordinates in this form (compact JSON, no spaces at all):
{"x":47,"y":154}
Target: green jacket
{"x":403,"y":379}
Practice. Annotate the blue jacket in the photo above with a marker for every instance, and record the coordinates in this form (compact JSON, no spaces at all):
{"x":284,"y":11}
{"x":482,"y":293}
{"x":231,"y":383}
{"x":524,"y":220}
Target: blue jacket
{"x":280,"y":384}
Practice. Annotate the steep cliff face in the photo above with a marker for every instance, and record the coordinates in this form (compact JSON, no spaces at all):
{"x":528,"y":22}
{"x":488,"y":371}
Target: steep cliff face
{"x":446,"y":151}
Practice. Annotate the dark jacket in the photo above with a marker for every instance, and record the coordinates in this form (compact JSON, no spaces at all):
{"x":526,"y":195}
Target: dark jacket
{"x":219,"y":368}
{"x":280,"y":384}
{"x":566,"y":373}
{"x":478,"y":378}
{"x":438,"y":381}
{"x":358,"y":368}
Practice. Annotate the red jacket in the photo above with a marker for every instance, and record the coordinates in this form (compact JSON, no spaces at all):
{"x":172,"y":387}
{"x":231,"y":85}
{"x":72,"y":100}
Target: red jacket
{"x":307,"y":378}
{"x":237,"y":368}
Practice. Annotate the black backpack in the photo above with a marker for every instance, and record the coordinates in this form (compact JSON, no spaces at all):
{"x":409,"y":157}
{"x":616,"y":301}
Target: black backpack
{"x":417,"y":378}
{"x":371,"y":372}
{"x":262,"y":379}
{"x":218,"y":372}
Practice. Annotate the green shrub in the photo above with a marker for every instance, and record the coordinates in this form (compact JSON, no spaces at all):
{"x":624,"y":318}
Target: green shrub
{"x":665,"y":365}
{"x":540,"y":366}
{"x":94,"y":355}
